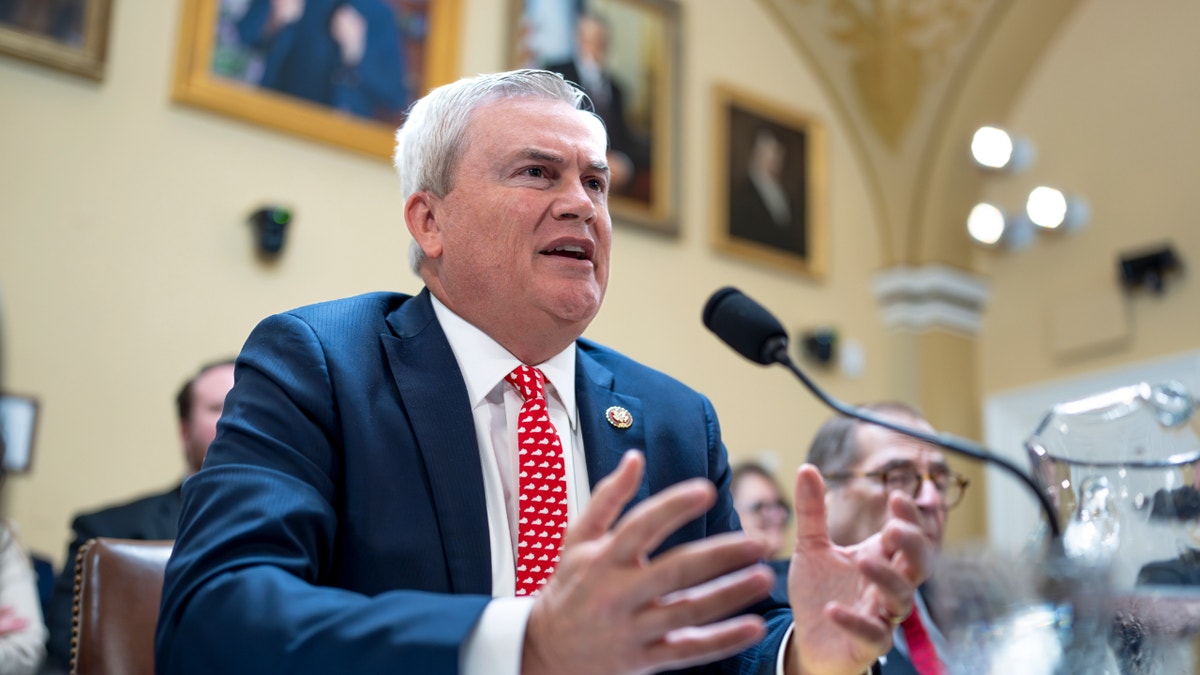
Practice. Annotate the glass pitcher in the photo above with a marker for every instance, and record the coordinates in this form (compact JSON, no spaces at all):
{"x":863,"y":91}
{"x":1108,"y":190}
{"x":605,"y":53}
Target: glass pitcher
{"x":1119,"y":592}
{"x":1120,"y":468}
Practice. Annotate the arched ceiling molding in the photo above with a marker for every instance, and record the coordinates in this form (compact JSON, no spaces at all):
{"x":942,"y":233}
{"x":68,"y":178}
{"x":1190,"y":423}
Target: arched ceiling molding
{"x":949,"y":182}
{"x":897,"y":72}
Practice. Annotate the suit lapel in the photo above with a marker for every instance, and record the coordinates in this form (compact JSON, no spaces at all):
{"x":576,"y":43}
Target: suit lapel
{"x":604,"y":443}
{"x":435,"y":398}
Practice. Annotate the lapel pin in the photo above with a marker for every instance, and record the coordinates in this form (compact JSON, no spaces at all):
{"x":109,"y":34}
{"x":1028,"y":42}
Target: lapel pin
{"x":619,"y":417}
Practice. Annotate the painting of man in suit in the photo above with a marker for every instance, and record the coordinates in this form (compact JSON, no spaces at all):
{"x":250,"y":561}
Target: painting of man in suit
{"x":351,"y":56}
{"x":767,"y":183}
{"x":621,"y":53}
{"x":629,"y":148}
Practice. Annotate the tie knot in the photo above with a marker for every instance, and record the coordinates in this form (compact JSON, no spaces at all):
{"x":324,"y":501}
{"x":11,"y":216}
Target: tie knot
{"x":529,"y":381}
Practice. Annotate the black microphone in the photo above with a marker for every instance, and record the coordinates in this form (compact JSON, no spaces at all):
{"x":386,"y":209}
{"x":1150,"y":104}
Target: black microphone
{"x":756,"y":334}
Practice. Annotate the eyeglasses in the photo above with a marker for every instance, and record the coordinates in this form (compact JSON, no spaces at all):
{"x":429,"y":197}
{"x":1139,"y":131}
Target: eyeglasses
{"x":951,"y":486}
{"x":777,"y":512}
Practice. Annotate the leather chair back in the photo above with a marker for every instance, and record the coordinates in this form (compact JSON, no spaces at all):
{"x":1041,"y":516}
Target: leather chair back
{"x":118,"y":587}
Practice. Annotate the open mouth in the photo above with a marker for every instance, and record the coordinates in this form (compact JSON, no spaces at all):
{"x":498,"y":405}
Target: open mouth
{"x":568,"y":251}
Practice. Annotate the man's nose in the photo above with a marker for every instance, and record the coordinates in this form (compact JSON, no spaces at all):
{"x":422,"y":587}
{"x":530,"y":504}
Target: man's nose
{"x":574,"y":202}
{"x":929,"y":496}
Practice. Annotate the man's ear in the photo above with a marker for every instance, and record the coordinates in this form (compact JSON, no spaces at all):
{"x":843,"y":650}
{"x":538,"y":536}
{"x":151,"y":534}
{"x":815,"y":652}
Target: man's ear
{"x":421,"y":217}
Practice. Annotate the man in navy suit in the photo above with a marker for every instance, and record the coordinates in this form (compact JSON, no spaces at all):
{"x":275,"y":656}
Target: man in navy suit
{"x":198,"y":405}
{"x":357,"y":511}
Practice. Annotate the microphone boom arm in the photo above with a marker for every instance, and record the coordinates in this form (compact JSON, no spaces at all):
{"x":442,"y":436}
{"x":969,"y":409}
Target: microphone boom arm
{"x":958,"y":445}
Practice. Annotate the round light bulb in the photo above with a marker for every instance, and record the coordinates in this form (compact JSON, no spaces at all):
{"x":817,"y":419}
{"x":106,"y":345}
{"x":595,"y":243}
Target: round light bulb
{"x":985,"y":224}
{"x":1046,"y":207}
{"x":992,"y":147}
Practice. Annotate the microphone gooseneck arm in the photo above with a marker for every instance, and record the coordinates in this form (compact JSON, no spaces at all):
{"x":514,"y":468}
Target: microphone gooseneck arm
{"x":955,"y":444}
{"x":756,"y":334}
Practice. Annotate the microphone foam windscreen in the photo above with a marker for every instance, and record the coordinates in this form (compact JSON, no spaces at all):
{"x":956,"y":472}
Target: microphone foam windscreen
{"x":743,"y":324}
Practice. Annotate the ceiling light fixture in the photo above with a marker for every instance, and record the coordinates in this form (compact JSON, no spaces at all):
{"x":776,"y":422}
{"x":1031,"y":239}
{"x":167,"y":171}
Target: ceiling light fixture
{"x":995,"y":148}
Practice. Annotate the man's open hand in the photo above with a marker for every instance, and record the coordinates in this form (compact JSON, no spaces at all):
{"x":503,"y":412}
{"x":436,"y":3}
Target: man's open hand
{"x":609,"y":609}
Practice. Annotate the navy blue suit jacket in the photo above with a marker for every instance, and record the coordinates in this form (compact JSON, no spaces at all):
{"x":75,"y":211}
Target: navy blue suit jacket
{"x":339,"y":524}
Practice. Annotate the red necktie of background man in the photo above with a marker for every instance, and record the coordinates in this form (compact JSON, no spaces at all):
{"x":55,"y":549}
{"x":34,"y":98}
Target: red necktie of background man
{"x":542,"y":484}
{"x":920,"y":648}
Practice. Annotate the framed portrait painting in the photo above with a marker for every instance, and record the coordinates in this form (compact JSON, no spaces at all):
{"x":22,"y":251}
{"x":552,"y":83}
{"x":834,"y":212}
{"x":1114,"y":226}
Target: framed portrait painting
{"x":770,"y":183}
{"x":624,"y":54}
{"x":70,"y":35}
{"x":338,"y":71}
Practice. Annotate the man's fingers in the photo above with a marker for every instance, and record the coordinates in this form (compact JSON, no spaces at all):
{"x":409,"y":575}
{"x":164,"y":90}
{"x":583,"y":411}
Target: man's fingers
{"x":904,"y":542}
{"x":871,"y":632}
{"x":700,"y":561}
{"x":703,"y":644}
{"x":649,"y":523}
{"x":719,"y":593}
{"x":904,"y":508}
{"x":811,"y":529}
{"x":611,"y":495}
{"x":894,"y":592}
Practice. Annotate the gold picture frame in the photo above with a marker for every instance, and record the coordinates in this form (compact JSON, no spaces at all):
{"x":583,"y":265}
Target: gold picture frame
{"x":218,"y":69}
{"x":635,"y":89}
{"x":770,"y":183}
{"x":69,"y":36}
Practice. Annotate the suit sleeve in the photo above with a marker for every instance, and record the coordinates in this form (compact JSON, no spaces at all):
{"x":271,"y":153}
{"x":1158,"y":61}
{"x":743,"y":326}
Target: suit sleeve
{"x":248,"y":588}
{"x":761,"y":659}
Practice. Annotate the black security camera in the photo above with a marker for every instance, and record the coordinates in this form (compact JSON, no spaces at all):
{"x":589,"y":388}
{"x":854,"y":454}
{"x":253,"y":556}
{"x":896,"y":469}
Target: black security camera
{"x":819,"y":345}
{"x":1149,"y":268}
{"x":270,"y":225}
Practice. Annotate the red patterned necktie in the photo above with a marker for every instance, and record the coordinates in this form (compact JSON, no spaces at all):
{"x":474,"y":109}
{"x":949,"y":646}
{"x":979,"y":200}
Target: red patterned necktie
{"x":920,"y":648}
{"x":542,"y":484}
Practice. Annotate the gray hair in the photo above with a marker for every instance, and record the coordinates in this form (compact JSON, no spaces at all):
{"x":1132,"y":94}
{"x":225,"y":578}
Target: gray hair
{"x":835,"y":447}
{"x":433,"y":137}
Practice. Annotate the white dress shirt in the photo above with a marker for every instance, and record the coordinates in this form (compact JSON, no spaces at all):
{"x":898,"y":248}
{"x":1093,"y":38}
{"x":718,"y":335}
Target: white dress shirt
{"x":494,"y":647}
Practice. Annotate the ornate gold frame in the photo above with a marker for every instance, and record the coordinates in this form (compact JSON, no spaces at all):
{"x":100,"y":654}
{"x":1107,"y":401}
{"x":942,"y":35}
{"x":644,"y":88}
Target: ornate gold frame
{"x":196,"y":85}
{"x":659,"y":72}
{"x":806,"y":131}
{"x":87,"y":59}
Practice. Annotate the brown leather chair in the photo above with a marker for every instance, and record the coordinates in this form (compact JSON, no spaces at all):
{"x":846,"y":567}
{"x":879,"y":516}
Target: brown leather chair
{"x":118,"y":586}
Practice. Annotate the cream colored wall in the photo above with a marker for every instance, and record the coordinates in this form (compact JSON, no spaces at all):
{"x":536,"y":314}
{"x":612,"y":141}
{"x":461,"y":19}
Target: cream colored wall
{"x":1111,"y":109}
{"x":125,"y":261}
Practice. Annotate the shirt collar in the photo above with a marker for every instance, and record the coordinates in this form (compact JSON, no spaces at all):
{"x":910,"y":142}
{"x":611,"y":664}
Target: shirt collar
{"x":485,"y":363}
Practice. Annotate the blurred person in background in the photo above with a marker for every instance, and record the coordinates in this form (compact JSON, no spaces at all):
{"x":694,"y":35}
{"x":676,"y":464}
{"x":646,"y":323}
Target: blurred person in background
{"x":153,"y":517}
{"x":764,"y":514}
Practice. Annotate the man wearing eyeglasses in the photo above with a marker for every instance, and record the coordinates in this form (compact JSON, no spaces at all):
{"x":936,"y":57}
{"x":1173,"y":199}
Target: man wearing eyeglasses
{"x":862,"y":465}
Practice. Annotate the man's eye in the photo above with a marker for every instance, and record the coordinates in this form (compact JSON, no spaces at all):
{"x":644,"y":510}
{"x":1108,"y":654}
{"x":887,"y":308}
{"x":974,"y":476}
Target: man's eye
{"x":535,"y":172}
{"x":596,"y":184}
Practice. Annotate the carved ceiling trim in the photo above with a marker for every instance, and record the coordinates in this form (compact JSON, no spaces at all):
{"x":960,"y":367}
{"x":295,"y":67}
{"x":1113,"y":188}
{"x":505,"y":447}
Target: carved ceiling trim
{"x":905,"y":134}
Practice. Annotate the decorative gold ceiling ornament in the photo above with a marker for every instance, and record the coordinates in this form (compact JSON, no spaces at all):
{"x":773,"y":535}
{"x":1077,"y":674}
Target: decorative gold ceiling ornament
{"x":908,"y":117}
{"x":896,"y":51}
